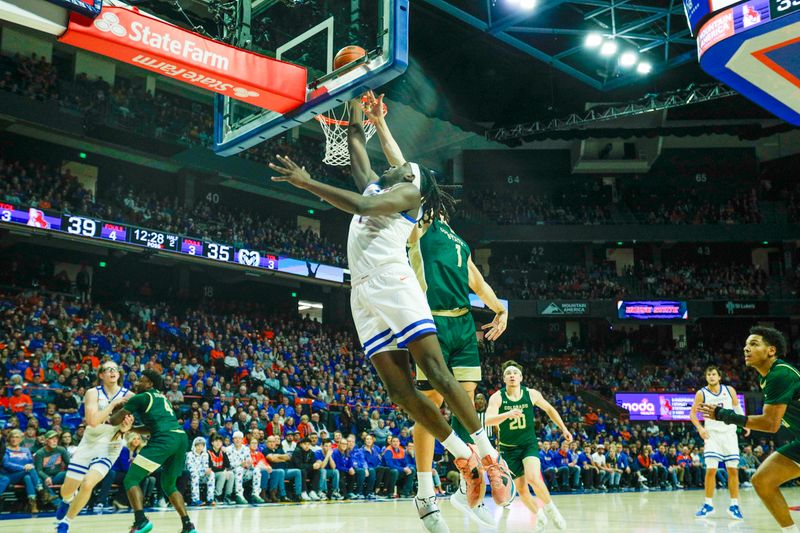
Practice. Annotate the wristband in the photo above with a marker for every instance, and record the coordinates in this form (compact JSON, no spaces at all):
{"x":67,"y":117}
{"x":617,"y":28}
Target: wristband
{"x":729,"y":416}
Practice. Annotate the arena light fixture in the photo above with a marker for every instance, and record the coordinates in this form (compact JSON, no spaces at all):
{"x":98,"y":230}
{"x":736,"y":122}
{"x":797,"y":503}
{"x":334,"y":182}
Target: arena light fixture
{"x":527,"y":4}
{"x":628,"y":59}
{"x":644,"y":67}
{"x":593,"y":40}
{"x":609,"y":48}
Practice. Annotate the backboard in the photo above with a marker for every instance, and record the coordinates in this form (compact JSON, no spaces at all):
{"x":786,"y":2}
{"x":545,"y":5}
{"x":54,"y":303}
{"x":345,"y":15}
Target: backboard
{"x":309,"y":34}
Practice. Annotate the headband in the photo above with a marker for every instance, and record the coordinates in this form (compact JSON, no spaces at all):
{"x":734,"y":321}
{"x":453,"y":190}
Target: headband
{"x":417,"y":175}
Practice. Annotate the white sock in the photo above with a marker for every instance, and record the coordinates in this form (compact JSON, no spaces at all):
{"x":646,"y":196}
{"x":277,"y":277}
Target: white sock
{"x":484,"y":446}
{"x":710,"y":502}
{"x":456,"y":446}
{"x":425,"y":489}
{"x":790,"y":529}
{"x":734,"y":501}
{"x":462,"y":483}
{"x":65,"y":520}
{"x":550,"y":506}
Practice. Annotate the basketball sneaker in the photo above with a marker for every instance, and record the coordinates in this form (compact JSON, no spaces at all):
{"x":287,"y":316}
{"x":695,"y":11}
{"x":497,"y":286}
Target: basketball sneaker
{"x":479,"y":513}
{"x":735,"y":512}
{"x":554,"y":514}
{"x":541,"y":521}
{"x":62,"y":527}
{"x":472,"y":471}
{"x":705,"y":510}
{"x":431,"y":517}
{"x":61,"y":512}
{"x":499,"y":479}
{"x":144,"y":527}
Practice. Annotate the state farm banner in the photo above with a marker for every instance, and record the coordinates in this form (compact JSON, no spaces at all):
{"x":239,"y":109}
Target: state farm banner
{"x":133,"y":37}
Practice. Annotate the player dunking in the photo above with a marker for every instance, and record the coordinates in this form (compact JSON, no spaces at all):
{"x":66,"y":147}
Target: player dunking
{"x":511,"y":409}
{"x":166,"y":449}
{"x":97,"y":450}
{"x":721,"y":444}
{"x":390,"y":311}
{"x":441,"y":260}
{"x":780,"y":383}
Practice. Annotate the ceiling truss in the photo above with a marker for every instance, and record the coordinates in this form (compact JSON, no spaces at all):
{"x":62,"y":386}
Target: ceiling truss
{"x":656,"y":29}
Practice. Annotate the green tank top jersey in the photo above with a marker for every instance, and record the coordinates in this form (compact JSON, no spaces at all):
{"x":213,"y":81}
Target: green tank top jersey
{"x":154,"y":410}
{"x":515,"y":432}
{"x":439,"y":259}
{"x":781,"y":385}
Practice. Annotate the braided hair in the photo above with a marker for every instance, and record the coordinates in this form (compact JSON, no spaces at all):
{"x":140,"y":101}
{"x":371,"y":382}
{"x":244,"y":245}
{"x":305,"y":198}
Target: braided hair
{"x":436,"y":202}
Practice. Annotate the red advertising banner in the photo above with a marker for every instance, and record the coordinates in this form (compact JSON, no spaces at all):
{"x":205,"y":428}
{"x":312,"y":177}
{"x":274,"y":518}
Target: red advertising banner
{"x":133,"y":37}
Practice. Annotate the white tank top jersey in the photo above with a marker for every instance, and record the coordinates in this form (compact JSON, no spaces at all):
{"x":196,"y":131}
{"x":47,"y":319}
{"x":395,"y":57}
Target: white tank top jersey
{"x":375,"y":242}
{"x":723,"y":399}
{"x":102,"y":402}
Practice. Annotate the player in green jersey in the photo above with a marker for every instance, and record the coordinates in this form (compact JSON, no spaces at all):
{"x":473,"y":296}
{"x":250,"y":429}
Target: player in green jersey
{"x":780,"y":383}
{"x":511,"y":409}
{"x":443,"y":266}
{"x":165,"y":450}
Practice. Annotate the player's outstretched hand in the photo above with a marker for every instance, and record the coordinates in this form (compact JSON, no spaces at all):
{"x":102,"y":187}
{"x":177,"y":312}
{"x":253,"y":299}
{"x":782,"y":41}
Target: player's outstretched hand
{"x":290,"y":172}
{"x":708,"y":410}
{"x":567,"y":437}
{"x":497,"y":326}
{"x":373,"y":107}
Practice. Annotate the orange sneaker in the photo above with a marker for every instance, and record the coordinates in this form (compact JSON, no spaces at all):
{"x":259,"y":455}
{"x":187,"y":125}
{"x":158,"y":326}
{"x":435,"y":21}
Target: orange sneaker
{"x":499,"y":479}
{"x":472,"y":471}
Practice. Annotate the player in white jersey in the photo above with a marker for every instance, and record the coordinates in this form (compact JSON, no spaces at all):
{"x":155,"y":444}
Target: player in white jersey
{"x":98,"y":449}
{"x":721,"y":444}
{"x":389,"y":308}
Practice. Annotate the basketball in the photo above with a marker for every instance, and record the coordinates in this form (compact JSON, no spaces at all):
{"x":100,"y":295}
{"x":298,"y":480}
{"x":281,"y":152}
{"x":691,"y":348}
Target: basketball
{"x":348,"y":54}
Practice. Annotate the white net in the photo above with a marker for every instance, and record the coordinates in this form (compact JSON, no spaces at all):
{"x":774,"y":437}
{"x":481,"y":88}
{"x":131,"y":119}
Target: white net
{"x":334,"y":126}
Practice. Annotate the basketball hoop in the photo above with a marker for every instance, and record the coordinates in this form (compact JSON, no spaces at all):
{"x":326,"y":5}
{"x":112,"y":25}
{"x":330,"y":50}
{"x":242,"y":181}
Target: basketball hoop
{"x":334,"y":126}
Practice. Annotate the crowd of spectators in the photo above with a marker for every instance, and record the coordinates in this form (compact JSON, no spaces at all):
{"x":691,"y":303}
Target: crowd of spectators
{"x":37,"y":185}
{"x":169,"y":116}
{"x":302,"y":399}
{"x":537,"y":280}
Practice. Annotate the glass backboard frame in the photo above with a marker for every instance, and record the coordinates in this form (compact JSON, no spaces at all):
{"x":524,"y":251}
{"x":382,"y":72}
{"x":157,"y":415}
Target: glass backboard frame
{"x":388,"y":60}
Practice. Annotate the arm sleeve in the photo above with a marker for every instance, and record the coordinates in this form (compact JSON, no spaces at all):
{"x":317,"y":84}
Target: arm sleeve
{"x":781,"y":386}
{"x":38,"y":463}
{"x":9,"y":465}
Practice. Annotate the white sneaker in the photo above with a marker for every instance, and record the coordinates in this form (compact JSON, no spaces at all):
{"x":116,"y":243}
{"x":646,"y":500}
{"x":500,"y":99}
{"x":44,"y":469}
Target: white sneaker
{"x":479,"y":514}
{"x":483,"y":516}
{"x":428,"y":511}
{"x":322,"y":496}
{"x":313,"y":496}
{"x":541,"y":521}
{"x":304,"y":496}
{"x":554,"y":515}
{"x":162,"y":504}
{"x":98,"y":509}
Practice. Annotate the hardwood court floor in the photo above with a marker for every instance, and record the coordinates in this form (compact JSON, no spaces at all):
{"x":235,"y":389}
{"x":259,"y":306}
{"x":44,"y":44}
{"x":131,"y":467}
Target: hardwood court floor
{"x":654,"y":512}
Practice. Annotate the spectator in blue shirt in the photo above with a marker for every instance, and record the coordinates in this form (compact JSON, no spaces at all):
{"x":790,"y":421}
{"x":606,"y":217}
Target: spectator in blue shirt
{"x":18,"y":467}
{"x":591,"y":474}
{"x":560,"y":464}
{"x":570,"y":454}
{"x":548,"y":468}
{"x":328,"y":471}
{"x":661,"y":463}
{"x":400,"y":472}
{"x":370,"y":457}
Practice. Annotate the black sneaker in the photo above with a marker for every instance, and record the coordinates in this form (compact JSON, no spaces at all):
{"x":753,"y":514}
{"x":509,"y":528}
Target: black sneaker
{"x":188,"y":528}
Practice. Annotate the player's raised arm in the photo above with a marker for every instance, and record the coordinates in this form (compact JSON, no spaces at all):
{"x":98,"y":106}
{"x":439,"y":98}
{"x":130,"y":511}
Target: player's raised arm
{"x":374,"y":112}
{"x":402,"y":197}
{"x":485,"y":292}
{"x":547,"y":407}
{"x":360,"y":167}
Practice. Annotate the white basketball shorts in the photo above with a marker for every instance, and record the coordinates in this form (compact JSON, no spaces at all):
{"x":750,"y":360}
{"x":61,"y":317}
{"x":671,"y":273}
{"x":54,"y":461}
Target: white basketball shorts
{"x":721,"y":448}
{"x":390,"y":310}
{"x":96,"y":451}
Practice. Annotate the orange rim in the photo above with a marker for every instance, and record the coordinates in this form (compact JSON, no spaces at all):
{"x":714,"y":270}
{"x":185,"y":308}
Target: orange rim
{"x":344,"y":123}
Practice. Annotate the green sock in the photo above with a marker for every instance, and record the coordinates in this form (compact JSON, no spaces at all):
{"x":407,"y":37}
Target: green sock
{"x":460,"y":430}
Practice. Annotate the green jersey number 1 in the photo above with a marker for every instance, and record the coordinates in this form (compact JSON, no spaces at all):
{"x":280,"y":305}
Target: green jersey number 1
{"x":458,"y":253}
